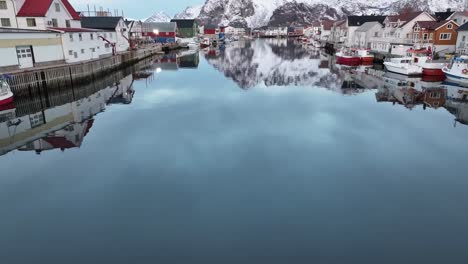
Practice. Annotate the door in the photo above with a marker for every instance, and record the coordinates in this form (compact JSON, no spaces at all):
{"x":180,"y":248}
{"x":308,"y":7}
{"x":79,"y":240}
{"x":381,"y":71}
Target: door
{"x":25,"y":56}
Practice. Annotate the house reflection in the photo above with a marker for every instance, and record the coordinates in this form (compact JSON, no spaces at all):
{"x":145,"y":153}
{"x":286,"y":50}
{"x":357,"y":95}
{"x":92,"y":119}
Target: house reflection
{"x":61,"y":118}
{"x":185,"y":59}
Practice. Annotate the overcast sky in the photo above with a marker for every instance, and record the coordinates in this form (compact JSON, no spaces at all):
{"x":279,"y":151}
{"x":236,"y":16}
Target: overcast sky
{"x":138,"y":8}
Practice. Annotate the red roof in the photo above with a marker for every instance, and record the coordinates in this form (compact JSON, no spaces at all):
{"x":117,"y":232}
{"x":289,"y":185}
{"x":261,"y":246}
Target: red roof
{"x":59,"y":142}
{"x":39,"y":8}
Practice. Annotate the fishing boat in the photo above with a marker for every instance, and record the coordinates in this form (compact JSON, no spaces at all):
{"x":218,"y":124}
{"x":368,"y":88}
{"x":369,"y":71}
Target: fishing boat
{"x":347,"y":57}
{"x":403,"y":66}
{"x":457,"y":70}
{"x":6,"y":96}
{"x":423,"y":58}
{"x":366,"y":57}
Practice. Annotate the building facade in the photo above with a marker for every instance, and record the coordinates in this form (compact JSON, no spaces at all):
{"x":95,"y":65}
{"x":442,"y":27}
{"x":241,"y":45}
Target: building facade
{"x":187,"y":28}
{"x":440,"y":36}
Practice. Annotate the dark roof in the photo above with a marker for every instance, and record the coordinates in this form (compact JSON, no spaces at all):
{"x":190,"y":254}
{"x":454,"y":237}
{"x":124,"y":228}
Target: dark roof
{"x":431,"y":24}
{"x":463,"y":27}
{"x":356,"y":21}
{"x":443,"y":15}
{"x":39,"y":8}
{"x":107,"y":23}
{"x":184,"y":23}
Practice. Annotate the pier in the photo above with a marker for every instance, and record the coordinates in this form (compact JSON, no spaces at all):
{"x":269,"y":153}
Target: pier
{"x":66,"y":75}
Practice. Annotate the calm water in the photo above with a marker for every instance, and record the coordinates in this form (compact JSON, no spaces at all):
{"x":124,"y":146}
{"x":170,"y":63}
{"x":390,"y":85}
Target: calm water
{"x":262,"y":152}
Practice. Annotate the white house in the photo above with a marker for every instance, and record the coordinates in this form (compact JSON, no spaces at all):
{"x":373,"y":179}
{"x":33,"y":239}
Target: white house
{"x":396,"y":36}
{"x":117,"y":35}
{"x":234,"y":31}
{"x":135,"y":29}
{"x":364,"y":33}
{"x":42,"y":14}
{"x":81,"y":44}
{"x":338,"y":32}
{"x":22,"y":48}
{"x":8,"y":14}
{"x":460,"y":17}
{"x":462,"y":37}
{"x":355,"y":22}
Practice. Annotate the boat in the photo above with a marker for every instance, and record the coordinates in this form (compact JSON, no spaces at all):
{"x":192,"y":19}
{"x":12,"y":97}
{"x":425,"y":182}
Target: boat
{"x":423,"y":58}
{"x":6,"y":96}
{"x":457,"y":70}
{"x":347,"y":57}
{"x":403,"y":66}
{"x":318,"y":44}
{"x":366,"y":57}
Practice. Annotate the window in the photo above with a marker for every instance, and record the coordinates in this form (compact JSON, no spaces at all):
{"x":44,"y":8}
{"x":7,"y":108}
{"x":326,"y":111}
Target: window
{"x":110,"y":35}
{"x":54,"y":22}
{"x":93,"y":50}
{"x":449,"y":26}
{"x":5,"y":22}
{"x":3,"y":5}
{"x":425,"y":36}
{"x":75,"y":54}
{"x":67,"y":23}
{"x":434,"y":95}
{"x":107,"y":45}
{"x":445,"y":36}
{"x":70,"y":52}
{"x":417,"y":29}
{"x":31,"y":22}
{"x":91,"y":36}
{"x":431,"y":36}
{"x":57,"y":7}
{"x":463,"y":38}
{"x":82,"y":51}
{"x":80,"y":37}
{"x":105,"y":35}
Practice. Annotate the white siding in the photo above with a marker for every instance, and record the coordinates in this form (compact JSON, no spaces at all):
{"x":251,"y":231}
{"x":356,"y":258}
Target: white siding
{"x":9,"y":13}
{"x":87,"y":44}
{"x":42,"y":52}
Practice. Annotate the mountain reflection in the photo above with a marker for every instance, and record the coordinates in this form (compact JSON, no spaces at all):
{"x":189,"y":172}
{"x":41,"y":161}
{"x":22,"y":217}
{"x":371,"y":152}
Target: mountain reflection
{"x":272,"y":62}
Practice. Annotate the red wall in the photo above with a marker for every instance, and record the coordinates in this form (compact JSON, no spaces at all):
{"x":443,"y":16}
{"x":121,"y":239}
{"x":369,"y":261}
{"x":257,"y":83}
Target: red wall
{"x":161,"y":34}
{"x":210,"y":31}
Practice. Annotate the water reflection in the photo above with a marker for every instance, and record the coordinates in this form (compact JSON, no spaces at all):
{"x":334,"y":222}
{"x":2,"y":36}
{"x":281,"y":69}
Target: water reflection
{"x":60,"y":118}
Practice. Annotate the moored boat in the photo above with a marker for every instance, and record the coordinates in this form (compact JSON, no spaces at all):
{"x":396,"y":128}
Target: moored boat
{"x":347,"y":57}
{"x":423,"y":58}
{"x":457,"y":71}
{"x":6,"y":96}
{"x":403,"y":66}
{"x":366,"y":57}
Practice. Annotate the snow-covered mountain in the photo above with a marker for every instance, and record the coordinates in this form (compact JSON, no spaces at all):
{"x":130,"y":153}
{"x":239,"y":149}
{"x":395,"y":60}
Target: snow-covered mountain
{"x":158,"y":17}
{"x":257,"y":13}
{"x":190,"y":12}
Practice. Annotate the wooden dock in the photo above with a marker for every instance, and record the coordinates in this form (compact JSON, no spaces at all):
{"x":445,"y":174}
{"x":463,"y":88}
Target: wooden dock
{"x":74,"y":74}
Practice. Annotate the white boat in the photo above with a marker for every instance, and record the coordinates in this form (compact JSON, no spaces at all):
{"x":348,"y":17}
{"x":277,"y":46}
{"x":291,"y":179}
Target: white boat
{"x":404,"y":66}
{"x":6,"y":96}
{"x":457,"y":71}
